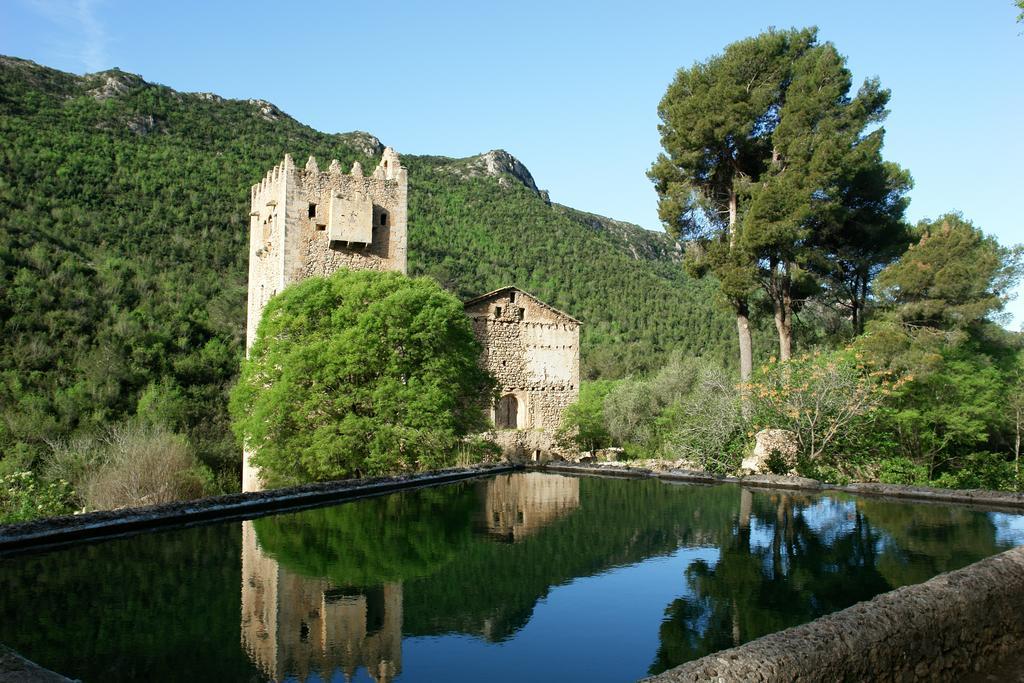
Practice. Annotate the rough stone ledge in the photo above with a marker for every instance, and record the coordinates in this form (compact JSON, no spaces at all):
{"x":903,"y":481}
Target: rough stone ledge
{"x":53,"y":531}
{"x":959,"y":622}
{"x":988,"y":500}
{"x":16,"y":669}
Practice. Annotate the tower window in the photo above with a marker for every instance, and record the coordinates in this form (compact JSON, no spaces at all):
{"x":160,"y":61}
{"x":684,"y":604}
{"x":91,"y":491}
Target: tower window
{"x":497,"y":311}
{"x":383,"y":217}
{"x":321,"y":227}
{"x":312,"y":210}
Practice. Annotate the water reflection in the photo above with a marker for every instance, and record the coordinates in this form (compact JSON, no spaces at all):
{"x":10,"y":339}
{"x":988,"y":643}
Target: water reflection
{"x":294,"y":625}
{"x":519,"y":577}
{"x":314,"y":603}
{"x":791,"y":558}
{"x":518,"y":505}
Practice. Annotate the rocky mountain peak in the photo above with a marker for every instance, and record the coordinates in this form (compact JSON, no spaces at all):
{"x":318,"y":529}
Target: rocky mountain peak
{"x":499,"y":164}
{"x":112,"y":83}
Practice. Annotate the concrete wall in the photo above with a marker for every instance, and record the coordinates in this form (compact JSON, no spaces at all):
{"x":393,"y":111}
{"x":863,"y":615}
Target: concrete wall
{"x":963,"y":621}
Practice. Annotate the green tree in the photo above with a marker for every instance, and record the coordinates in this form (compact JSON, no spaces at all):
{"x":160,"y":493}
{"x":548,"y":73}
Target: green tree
{"x":822,"y":158}
{"x":717,"y":119}
{"x":864,"y":233}
{"x":359,"y":373}
{"x":583,"y":425}
{"x":953,"y":408}
{"x":953,"y":277}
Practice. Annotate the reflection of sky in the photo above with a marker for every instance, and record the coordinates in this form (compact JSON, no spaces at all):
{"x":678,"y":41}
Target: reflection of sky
{"x":831,"y":518}
{"x":828,"y":518}
{"x":1009,"y":528}
{"x":603,"y":627}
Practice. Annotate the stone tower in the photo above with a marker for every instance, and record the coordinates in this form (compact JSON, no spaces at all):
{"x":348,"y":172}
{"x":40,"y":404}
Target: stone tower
{"x":306,"y":222}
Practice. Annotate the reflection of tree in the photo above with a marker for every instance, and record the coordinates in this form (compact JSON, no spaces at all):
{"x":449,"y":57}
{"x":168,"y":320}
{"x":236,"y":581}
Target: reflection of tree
{"x":921,"y":540}
{"x":455,"y":580}
{"x":374,"y":541}
{"x":129,"y":609}
{"x":825,"y":554}
{"x":492,"y":588}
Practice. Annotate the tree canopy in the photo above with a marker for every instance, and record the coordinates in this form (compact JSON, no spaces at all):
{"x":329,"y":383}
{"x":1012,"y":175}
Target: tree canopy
{"x":773,"y":176}
{"x":359,"y":373}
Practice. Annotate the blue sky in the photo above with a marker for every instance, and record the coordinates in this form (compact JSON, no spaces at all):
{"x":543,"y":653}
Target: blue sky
{"x":571,"y":88}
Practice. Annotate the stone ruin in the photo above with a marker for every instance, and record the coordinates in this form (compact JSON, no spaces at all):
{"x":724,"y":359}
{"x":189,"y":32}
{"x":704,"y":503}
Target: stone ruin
{"x":533,"y":350}
{"x":305,"y":222}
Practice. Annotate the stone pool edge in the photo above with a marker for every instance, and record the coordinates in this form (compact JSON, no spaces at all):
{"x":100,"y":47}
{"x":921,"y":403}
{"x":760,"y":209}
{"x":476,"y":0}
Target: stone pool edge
{"x":977,"y":497}
{"x":954,"y":624}
{"x":56,"y":531}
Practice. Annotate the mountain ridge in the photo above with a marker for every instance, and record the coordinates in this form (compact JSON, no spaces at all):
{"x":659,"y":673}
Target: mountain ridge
{"x":124,"y":244}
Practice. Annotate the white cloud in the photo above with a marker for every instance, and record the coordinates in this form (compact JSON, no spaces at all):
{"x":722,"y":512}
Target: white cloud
{"x":78,"y":31}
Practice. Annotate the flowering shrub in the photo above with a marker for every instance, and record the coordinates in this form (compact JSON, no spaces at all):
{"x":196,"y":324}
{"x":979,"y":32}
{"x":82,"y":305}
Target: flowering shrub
{"x":820,"y":397}
{"x":23,"y":497}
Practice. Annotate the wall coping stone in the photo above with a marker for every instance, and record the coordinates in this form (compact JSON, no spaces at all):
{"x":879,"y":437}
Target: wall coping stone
{"x":955,"y":623}
{"x":55,"y":531}
{"x":984,"y":498}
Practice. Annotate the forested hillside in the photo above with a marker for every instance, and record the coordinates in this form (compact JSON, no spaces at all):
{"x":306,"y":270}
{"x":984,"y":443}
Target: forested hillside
{"x":123,"y":243}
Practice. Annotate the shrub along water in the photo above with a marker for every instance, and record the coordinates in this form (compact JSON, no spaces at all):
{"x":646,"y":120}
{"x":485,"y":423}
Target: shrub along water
{"x":358,"y":374}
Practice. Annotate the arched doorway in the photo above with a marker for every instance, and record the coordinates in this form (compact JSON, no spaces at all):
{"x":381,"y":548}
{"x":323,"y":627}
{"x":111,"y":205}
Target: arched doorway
{"x":507,"y":413}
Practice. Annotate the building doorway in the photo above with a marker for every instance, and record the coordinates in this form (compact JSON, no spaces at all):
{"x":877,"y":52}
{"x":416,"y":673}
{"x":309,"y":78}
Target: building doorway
{"x":507,"y":413}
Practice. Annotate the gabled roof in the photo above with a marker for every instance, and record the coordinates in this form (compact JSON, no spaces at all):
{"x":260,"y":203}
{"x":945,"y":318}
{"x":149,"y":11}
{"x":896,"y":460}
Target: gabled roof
{"x":513,"y":288}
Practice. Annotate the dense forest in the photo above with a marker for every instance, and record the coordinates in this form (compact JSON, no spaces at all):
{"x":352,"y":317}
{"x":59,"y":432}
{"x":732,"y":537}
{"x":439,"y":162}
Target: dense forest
{"x":773,"y":177}
{"x":123,"y":245}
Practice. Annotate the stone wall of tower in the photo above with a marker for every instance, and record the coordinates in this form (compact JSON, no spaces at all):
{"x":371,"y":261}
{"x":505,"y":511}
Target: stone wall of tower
{"x":289,"y":216}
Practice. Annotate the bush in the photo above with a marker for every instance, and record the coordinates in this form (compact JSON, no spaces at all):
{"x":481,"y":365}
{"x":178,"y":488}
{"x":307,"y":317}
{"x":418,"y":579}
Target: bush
{"x":583,"y":425}
{"x":361,"y":373}
{"x":23,"y":497}
{"x":132,"y":464}
{"x":708,"y":425}
{"x":902,"y":470}
{"x":982,"y":470}
{"x":690,"y":409}
{"x":820,"y":397}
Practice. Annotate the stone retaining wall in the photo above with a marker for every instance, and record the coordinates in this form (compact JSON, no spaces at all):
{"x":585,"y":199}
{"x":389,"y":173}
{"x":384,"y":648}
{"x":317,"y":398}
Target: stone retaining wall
{"x":989,"y":500}
{"x":52,"y":531}
{"x":963,"y":621}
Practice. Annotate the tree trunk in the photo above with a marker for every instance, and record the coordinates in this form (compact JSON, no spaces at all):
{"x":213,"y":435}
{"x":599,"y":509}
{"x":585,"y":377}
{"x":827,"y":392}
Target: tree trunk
{"x":1016,"y":449}
{"x":742,"y":309}
{"x":782,"y":302}
{"x":860,"y":303}
{"x":746,"y":342}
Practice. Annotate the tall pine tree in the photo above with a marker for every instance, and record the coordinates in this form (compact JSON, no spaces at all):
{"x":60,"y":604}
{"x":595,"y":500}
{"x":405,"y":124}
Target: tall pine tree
{"x":717,"y":119}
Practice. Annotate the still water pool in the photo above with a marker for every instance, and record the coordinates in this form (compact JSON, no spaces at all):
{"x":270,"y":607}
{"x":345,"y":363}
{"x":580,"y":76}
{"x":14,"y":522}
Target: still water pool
{"x":524,"y":576}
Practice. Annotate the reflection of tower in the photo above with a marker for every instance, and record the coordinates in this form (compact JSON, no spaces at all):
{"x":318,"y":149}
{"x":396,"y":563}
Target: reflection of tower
{"x":517,"y":505}
{"x":293,"y":625}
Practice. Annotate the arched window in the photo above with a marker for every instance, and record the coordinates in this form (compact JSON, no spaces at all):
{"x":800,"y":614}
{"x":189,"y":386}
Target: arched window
{"x":507,"y":414}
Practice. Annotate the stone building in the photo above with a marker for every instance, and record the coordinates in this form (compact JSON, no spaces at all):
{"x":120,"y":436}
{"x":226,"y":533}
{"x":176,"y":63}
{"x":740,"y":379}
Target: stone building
{"x":533,"y":350}
{"x":297,"y":627}
{"x":306,"y":222}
